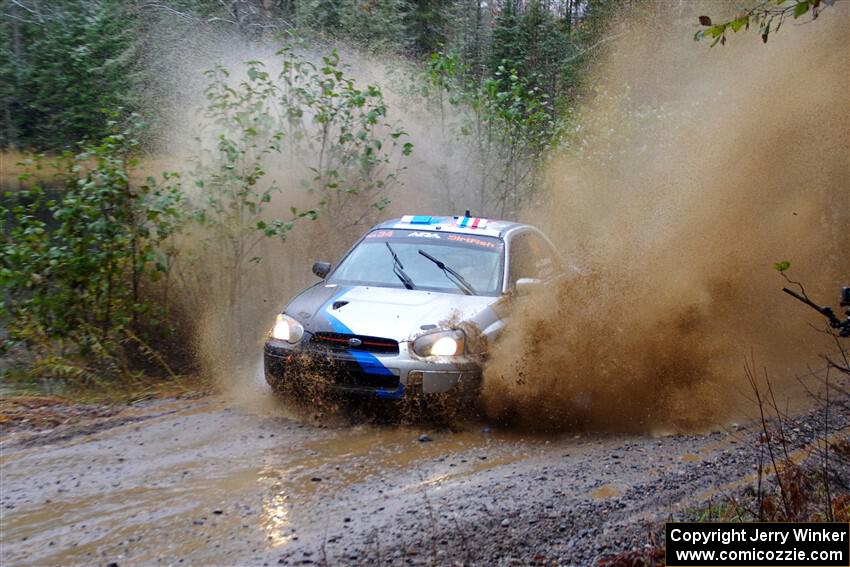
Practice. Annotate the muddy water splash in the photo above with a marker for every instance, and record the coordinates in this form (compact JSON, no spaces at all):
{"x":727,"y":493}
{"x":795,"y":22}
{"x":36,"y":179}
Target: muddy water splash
{"x":229,"y":338}
{"x":693,"y":170}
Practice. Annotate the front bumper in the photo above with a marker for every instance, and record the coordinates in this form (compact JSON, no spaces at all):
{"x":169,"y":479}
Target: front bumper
{"x":355,"y":372}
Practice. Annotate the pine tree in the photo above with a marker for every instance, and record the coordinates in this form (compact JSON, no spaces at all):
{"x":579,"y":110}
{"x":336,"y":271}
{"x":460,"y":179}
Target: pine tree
{"x":319,"y":15}
{"x":426,"y":25}
{"x":374,"y":24}
{"x":470,"y":34}
{"x":546,"y":45}
{"x":78,"y":60}
{"x":510,"y":42}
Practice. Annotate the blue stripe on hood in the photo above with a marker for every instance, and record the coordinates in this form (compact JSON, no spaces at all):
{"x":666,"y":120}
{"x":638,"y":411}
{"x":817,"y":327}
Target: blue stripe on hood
{"x":369,"y":363}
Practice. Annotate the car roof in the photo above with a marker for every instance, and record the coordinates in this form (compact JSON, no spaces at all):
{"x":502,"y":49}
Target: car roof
{"x":484,"y":226}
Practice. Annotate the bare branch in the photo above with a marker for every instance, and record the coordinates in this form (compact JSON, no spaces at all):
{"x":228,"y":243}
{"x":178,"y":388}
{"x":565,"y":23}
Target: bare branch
{"x":23,"y":6}
{"x":18,"y":18}
{"x":837,"y":366}
{"x":594,"y":46}
{"x":217,"y":19}
{"x":165,"y":7}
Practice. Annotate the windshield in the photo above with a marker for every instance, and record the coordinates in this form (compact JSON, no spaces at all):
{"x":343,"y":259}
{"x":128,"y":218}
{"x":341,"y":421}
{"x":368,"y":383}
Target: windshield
{"x":476,"y":259}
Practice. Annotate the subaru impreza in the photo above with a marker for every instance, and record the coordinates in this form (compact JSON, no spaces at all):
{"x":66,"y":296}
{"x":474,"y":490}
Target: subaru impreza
{"x":410,"y":309}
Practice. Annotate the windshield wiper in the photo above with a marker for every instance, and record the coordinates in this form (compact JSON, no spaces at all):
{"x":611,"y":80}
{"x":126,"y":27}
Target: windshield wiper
{"x":458,"y":280}
{"x":398,"y":269}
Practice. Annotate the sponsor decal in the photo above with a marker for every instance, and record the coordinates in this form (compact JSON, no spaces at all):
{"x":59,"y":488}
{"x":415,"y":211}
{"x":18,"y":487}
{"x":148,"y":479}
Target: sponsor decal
{"x":471,"y":222}
{"x":424,"y":235}
{"x":472,"y":240}
{"x":380,"y":234}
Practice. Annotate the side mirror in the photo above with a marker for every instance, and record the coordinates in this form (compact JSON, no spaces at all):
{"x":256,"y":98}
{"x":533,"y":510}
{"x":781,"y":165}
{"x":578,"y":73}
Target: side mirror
{"x":322,"y":269}
{"x":525,"y":286}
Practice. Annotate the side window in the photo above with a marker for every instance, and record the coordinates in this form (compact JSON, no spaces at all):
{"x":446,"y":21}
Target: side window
{"x":532,"y":257}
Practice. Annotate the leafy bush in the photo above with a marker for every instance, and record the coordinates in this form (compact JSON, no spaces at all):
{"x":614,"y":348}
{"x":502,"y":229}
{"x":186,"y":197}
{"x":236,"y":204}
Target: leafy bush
{"x":64,"y":63}
{"x":311,"y":118}
{"x":340,"y":132}
{"x":234,"y":197}
{"x":507,"y":124}
{"x":73,"y":267}
{"x":89,"y":274}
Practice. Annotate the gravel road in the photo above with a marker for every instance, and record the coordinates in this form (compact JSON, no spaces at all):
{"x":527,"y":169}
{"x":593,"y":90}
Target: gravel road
{"x":214,"y":482}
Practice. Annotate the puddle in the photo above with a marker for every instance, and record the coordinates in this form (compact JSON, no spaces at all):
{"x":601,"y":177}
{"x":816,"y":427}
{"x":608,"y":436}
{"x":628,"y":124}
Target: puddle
{"x":194,"y":475}
{"x":605,"y":491}
{"x":373,"y":461}
{"x":167,"y":519}
{"x":796,"y":457}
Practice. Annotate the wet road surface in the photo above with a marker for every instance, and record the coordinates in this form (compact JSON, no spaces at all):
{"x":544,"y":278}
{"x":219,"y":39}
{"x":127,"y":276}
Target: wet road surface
{"x":216,"y":483}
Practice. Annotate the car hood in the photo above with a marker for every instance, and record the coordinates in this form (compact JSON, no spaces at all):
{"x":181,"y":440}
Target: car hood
{"x":397,"y":314}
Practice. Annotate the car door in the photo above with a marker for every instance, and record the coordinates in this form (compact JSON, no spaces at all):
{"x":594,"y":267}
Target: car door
{"x":531,"y":256}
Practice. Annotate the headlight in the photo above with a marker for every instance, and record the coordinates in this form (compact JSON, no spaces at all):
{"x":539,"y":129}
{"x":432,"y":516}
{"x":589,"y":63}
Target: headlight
{"x":287,"y":329}
{"x":442,"y":343}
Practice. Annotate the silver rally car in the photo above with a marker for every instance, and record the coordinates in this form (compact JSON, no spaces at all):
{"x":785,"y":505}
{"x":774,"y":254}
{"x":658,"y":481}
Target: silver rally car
{"x":410,"y":308}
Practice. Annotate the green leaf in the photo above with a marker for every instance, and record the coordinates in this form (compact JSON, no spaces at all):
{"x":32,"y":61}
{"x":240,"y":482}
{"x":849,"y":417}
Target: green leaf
{"x":739,"y":23}
{"x":716,"y":31}
{"x":782,"y":266}
{"x":801,"y":8}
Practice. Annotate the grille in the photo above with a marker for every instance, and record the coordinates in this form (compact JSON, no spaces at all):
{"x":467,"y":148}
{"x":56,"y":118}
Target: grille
{"x":363,"y":380}
{"x":345,"y":372}
{"x":342,"y":341}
